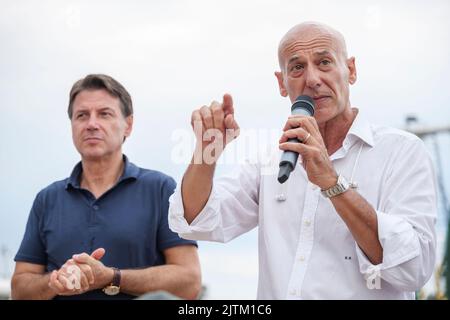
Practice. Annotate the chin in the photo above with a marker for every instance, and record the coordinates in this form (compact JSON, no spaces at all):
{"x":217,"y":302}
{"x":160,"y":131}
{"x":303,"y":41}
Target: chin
{"x":90,"y":157}
{"x":92,"y":154}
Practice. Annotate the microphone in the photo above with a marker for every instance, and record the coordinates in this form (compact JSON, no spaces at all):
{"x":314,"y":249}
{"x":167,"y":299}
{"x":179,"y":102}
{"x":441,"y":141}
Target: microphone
{"x":303,"y":105}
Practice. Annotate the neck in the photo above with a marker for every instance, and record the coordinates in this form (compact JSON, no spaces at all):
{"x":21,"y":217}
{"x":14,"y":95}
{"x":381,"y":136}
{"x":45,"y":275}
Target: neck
{"x":335,"y":130}
{"x":99,"y":176}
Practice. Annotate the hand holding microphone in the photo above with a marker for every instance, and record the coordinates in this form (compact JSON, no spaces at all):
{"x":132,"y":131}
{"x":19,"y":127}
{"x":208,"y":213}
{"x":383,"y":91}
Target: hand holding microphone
{"x":302,"y":137}
{"x":303,"y":105}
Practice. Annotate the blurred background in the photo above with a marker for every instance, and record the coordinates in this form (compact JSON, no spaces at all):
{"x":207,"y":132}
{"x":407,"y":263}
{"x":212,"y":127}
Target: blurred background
{"x":174,"y":56}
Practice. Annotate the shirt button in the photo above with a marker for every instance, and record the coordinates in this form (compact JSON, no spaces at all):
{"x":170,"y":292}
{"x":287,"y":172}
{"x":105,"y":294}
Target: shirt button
{"x":95,"y":207}
{"x":301,"y":258}
{"x":307,"y":222}
{"x":293,"y":292}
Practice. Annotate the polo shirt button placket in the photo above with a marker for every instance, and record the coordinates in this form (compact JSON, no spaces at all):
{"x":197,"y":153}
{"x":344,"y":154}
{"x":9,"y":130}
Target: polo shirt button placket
{"x":95,"y":209}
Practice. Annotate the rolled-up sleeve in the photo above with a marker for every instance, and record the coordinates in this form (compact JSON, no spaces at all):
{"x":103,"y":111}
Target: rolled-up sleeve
{"x":406,"y":216}
{"x":231,"y":210}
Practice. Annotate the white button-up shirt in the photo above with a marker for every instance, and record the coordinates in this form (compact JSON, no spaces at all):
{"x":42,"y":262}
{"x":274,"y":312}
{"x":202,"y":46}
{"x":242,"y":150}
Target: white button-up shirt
{"x":306,"y":251}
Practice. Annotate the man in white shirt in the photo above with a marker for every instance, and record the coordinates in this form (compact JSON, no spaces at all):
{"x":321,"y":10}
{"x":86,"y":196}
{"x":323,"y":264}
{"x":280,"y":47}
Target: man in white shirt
{"x":354,"y":221}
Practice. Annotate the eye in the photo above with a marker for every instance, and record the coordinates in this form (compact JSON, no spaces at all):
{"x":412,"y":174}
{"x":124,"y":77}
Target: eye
{"x":297,"y":67}
{"x":325,"y":62}
{"x":81,"y":116}
{"x":105,"y":114}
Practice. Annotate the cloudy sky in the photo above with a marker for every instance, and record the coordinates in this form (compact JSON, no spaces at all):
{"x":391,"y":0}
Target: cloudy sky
{"x":174,"y":56}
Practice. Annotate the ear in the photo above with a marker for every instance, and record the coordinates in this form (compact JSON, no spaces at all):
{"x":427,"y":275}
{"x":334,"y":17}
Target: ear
{"x":352,"y":70}
{"x":280,"y":79}
{"x":129,"y":123}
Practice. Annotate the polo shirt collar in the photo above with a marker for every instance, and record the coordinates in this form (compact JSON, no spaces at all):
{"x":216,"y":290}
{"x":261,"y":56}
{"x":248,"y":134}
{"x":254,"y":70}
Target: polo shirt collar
{"x":130,"y":172}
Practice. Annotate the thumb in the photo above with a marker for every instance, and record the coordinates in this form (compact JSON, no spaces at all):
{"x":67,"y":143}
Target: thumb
{"x":98,"y":253}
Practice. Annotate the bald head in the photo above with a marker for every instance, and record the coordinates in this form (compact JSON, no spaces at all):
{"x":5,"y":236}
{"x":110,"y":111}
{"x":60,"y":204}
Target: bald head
{"x":310,"y":35}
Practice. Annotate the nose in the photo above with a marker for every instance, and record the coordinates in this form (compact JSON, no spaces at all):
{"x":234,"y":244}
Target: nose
{"x":312,"y":78}
{"x":92,"y":123}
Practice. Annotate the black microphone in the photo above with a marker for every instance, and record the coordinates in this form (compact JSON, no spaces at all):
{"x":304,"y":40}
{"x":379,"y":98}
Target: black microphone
{"x":303,"y":105}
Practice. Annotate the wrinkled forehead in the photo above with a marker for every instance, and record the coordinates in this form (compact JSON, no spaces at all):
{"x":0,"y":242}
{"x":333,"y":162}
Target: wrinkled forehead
{"x":309,"y":39}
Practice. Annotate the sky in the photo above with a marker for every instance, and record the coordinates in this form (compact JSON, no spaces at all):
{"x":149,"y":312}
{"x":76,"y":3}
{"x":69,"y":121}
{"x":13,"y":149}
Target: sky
{"x":174,"y":57}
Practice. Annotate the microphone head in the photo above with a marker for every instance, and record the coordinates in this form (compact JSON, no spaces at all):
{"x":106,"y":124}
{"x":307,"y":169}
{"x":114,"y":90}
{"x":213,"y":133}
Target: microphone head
{"x":303,"y":102}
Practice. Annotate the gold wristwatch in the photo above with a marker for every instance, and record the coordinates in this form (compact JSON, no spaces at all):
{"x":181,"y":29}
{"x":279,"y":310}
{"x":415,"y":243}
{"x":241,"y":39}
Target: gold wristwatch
{"x":114,"y":287}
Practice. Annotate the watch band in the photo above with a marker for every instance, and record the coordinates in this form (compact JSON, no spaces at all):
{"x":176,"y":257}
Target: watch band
{"x":113,"y":288}
{"x":116,"y":277}
{"x":340,"y":187}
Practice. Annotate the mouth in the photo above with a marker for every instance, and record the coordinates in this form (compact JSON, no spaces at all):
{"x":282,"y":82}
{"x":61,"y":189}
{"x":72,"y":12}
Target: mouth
{"x":92,"y":139}
{"x":320,"y":99}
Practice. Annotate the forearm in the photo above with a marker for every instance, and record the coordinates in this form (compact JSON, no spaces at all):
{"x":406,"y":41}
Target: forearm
{"x":30,"y":286}
{"x":361,"y":219}
{"x":196,"y":189}
{"x":177,"y":280}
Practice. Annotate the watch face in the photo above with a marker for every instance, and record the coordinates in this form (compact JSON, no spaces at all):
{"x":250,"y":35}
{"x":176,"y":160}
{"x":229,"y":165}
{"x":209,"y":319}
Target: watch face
{"x":111,"y":290}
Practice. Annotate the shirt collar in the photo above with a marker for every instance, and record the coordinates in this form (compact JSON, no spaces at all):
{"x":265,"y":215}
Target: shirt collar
{"x":130,"y":172}
{"x":360,"y":129}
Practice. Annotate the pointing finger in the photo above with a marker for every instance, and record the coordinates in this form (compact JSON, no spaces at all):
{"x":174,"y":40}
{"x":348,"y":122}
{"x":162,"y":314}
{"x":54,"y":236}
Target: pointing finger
{"x":227,"y":104}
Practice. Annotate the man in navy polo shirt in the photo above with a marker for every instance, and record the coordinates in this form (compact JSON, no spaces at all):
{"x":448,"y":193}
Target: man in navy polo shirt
{"x":108,"y":210}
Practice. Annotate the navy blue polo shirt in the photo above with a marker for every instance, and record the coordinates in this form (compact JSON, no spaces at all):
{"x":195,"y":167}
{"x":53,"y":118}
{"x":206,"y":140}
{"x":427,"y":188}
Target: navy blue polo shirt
{"x":129,"y":221}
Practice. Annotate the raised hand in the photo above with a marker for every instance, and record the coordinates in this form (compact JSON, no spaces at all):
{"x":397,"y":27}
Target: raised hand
{"x":214,"y":127}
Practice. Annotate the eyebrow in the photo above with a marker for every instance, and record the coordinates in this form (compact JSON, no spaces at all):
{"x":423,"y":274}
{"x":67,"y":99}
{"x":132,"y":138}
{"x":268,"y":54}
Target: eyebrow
{"x":294,"y":58}
{"x":84,"y":109}
{"x":106,"y":109}
{"x":322,"y":53}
